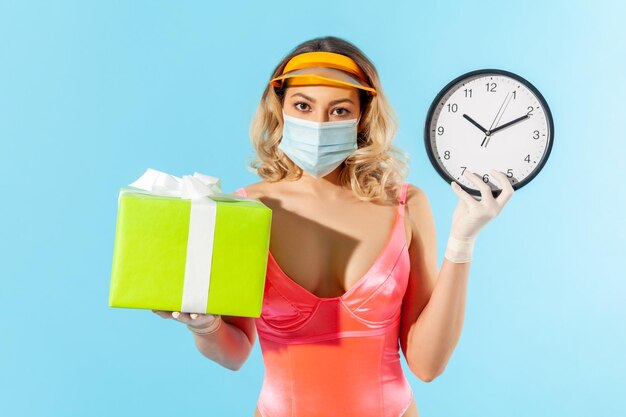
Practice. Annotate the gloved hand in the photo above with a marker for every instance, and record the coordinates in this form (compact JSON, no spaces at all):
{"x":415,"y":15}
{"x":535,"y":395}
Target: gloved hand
{"x":196,"y":322}
{"x":471,"y":215}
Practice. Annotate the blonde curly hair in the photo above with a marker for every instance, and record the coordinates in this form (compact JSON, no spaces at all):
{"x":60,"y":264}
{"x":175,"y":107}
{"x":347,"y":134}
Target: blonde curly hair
{"x":374,"y":171}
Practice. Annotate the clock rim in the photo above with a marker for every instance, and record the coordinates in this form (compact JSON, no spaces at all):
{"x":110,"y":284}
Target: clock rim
{"x":447,"y":87}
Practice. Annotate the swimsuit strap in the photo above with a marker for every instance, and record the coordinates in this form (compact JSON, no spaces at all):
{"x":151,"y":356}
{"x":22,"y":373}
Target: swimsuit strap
{"x":402,"y":198}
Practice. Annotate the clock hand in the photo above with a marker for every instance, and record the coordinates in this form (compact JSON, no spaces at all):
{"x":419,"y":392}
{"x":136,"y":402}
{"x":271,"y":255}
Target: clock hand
{"x":503,"y":107}
{"x":501,"y":111}
{"x":472,"y":121}
{"x":526,"y":116}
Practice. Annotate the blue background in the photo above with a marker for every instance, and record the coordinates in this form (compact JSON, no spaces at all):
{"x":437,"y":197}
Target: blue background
{"x":93,"y":93}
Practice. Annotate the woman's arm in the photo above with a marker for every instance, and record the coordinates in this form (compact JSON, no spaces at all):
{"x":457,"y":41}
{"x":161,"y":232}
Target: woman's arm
{"x":231,"y":344}
{"x":431,"y":339}
{"x":433,"y":307}
{"x":434,"y":303}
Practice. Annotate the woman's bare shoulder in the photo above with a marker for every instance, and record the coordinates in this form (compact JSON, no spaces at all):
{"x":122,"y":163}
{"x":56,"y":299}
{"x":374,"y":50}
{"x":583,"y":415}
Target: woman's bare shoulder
{"x":259,"y":189}
{"x":415,"y":195}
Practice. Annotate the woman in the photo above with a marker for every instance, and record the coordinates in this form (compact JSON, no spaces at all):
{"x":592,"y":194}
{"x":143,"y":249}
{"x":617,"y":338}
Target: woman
{"x":352,"y":269}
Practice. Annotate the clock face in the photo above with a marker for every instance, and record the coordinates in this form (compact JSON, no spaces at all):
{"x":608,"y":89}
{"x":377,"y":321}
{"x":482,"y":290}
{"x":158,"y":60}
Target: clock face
{"x":489,"y":119}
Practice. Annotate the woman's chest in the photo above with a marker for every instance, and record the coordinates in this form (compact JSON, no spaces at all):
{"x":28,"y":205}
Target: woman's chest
{"x":327,"y":249}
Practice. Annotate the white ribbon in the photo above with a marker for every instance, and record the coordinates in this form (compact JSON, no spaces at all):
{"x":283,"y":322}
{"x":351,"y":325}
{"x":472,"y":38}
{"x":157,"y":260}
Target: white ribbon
{"x":202,"y":190}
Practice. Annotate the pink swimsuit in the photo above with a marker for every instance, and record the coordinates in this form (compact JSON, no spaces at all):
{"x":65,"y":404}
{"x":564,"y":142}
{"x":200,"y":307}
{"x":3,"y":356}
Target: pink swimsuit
{"x":336,"y":356}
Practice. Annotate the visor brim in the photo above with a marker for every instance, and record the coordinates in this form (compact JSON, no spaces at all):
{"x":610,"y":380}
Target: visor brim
{"x":331,"y":77}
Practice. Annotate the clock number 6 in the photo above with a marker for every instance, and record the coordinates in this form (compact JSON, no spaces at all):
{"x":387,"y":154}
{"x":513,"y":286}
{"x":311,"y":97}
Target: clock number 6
{"x":509,"y":174}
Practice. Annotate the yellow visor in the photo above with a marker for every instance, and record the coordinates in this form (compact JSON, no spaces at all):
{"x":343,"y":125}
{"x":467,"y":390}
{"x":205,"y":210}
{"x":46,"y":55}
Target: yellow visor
{"x":320,"y":76}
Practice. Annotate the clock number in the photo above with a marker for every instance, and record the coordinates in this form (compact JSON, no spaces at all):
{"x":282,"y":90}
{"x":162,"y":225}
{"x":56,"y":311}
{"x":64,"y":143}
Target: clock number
{"x":527,"y":159}
{"x":509,"y":173}
{"x":514,"y":95}
{"x":446,"y":155}
{"x":530,"y":110}
{"x":536,"y":134}
{"x":463,"y":170}
{"x":468,"y":93}
{"x":486,"y":178}
{"x":453,"y":107}
{"x":492,"y":88}
{"x":440,"y":130}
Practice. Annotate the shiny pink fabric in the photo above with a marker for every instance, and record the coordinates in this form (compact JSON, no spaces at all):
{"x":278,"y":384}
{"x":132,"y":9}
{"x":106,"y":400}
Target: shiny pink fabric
{"x":336,"y":356}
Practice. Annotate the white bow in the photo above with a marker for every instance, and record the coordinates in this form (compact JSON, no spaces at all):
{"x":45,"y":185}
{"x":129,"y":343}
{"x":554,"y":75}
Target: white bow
{"x":196,"y":186}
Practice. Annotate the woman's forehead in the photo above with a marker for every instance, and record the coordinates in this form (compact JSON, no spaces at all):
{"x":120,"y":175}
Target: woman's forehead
{"x":323,"y":92}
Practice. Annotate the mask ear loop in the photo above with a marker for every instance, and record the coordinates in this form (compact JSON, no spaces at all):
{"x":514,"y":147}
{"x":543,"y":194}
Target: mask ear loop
{"x":359,"y":135}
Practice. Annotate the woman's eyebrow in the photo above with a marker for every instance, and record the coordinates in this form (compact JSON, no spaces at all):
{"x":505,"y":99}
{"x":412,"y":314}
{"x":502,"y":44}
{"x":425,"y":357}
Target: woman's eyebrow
{"x":313,"y":100}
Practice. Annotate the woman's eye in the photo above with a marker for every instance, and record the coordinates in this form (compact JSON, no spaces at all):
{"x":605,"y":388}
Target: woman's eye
{"x":344,"y":111}
{"x":298,"y":103}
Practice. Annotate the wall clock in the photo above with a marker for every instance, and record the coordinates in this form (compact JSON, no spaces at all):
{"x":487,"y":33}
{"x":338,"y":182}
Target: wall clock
{"x":486,"y":119}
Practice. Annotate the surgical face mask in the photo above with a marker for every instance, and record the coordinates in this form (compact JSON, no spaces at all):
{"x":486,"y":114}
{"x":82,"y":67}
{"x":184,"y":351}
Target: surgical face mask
{"x":318,"y":147}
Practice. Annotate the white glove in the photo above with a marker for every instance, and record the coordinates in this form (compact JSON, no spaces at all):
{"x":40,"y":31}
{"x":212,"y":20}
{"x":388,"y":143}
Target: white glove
{"x":196,"y":322}
{"x":471,"y":215}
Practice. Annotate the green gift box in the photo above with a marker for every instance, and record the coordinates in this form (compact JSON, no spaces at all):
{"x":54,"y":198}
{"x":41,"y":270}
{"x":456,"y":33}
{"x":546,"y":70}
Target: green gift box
{"x":182,"y":245}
